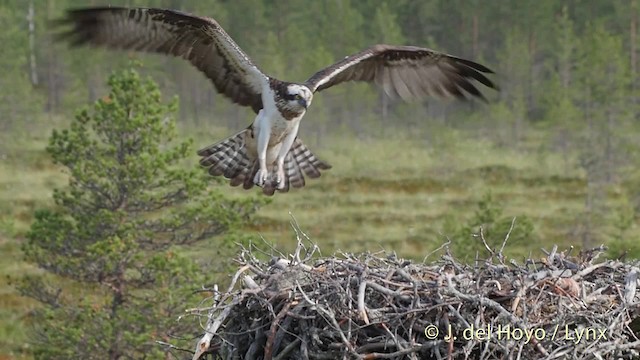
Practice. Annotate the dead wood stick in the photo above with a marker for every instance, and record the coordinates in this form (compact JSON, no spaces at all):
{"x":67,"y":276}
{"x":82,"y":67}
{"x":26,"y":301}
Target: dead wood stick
{"x":236,"y":276}
{"x":396,"y":354}
{"x":361,"y":306}
{"x":497,"y":307}
{"x":289,"y":348}
{"x":588,"y":270}
{"x":249,"y":282}
{"x":387,"y":291}
{"x":484,"y":242}
{"x":212,"y":328}
{"x":268,"y":348}
{"x":504,"y":242}
{"x":328,"y":313}
{"x":519,"y":295}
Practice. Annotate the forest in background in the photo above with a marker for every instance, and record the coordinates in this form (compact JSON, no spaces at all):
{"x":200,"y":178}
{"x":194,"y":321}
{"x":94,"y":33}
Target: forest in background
{"x":558,"y":146}
{"x":567,"y":72}
{"x":561,"y":63}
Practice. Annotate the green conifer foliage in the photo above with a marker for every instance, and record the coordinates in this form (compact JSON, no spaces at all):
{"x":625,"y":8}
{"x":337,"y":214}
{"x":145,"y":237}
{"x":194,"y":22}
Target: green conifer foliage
{"x":110,"y":241}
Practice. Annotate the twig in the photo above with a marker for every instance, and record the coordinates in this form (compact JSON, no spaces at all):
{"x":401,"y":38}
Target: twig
{"x":288,"y":349}
{"x":173,"y":347}
{"x":236,"y":276}
{"x":588,"y":271}
{"x":268,"y":349}
{"x":445,"y":245}
{"x":330,"y":316}
{"x":361,"y":306}
{"x":377,"y":306}
{"x":212,"y":328}
{"x":396,"y":354}
{"x":504,"y":242}
{"x":495,"y":306}
{"x":484,"y":242}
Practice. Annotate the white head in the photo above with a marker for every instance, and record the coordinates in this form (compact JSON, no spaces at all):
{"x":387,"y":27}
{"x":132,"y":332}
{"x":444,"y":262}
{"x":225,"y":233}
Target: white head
{"x":292,"y":100}
{"x":298,"y":97}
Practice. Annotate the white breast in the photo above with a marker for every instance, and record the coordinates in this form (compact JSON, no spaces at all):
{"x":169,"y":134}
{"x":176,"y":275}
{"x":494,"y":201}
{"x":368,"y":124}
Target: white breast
{"x":269,"y":119}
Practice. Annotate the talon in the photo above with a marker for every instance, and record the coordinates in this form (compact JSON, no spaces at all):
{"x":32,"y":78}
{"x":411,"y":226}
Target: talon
{"x":261,"y":178}
{"x":280,"y":179}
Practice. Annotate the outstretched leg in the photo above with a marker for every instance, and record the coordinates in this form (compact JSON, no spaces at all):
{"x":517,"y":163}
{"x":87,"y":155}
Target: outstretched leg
{"x":263,"y":128}
{"x":282,"y":154}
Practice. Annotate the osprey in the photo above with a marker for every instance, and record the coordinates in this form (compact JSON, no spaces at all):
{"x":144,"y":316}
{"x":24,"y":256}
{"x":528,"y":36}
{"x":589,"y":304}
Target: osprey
{"x":269,"y":153}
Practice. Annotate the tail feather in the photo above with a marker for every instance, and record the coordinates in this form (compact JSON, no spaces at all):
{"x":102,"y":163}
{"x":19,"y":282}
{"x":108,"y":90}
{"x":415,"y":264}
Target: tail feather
{"x":300,"y":159}
{"x":307,"y":161}
{"x":247,"y":182}
{"x":228,"y":157}
{"x":292,"y":171}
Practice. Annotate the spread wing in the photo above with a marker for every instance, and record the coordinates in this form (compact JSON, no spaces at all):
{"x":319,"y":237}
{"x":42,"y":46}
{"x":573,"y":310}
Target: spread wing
{"x":199,"y":40}
{"x":408,"y":72}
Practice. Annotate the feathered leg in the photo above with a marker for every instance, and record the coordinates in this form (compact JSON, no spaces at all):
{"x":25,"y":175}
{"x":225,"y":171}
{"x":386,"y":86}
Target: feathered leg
{"x":284,"y":150}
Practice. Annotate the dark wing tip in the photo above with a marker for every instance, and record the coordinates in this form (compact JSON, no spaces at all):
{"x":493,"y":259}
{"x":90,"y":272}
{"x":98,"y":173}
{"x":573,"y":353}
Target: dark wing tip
{"x":85,"y":14}
{"x":79,"y":24}
{"x":474,"y":65}
{"x":470,"y":70}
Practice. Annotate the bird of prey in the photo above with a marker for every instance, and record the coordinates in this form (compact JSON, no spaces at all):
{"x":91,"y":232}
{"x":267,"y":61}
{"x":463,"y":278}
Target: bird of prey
{"x":269,"y":153}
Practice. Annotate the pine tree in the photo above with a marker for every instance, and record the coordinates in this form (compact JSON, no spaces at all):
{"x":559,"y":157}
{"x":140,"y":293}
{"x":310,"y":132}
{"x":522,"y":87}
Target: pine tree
{"x":110,"y":241}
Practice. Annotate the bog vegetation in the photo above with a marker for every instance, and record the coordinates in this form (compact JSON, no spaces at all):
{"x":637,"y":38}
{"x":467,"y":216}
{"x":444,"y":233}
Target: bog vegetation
{"x":557,"y":148}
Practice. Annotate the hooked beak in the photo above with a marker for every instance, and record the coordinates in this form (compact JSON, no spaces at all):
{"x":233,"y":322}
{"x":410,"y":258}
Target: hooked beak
{"x":303,"y":102}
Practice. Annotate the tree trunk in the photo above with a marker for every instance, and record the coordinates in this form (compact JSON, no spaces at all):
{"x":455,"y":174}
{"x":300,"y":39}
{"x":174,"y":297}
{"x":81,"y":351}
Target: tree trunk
{"x":476,"y":32}
{"x":530,"y":103}
{"x":53,"y":93}
{"x":586,"y":235}
{"x":633,"y":56}
{"x":32,"y":44}
{"x":117,"y":300}
{"x":609,"y":155}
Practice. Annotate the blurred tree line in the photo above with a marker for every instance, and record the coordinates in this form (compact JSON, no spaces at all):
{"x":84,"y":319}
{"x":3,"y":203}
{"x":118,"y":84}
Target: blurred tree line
{"x":557,"y":62}
{"x":567,"y":69}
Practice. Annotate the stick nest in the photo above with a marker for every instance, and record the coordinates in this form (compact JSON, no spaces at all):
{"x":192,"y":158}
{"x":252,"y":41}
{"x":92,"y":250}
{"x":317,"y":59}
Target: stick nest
{"x":377,"y":306}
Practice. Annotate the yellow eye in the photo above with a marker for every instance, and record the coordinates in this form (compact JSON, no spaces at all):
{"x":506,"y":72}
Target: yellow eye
{"x":298,"y":97}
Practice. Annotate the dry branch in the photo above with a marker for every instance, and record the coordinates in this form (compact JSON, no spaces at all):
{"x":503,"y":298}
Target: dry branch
{"x":374,"y":306}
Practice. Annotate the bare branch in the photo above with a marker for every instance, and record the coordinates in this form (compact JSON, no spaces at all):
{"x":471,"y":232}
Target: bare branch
{"x":376,"y":306}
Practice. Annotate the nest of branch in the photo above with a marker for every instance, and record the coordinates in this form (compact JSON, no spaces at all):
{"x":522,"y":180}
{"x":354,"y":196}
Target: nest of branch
{"x":376,"y":306}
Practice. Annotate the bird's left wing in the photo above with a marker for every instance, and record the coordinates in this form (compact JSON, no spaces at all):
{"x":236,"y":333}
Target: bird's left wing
{"x":200,"y":40}
{"x":408,"y":72}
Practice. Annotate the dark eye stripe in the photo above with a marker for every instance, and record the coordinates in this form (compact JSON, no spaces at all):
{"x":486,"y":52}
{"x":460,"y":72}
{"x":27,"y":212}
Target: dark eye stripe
{"x":288,"y":96}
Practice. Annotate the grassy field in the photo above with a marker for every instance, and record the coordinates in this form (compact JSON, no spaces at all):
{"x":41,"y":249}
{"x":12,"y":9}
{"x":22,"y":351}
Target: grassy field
{"x":395,"y":194}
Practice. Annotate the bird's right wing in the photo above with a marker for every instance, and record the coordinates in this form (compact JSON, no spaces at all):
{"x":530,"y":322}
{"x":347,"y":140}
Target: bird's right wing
{"x":200,"y":40}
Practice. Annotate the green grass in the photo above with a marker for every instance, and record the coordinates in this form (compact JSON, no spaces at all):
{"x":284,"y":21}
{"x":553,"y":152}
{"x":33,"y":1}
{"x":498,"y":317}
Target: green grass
{"x":393,"y":194}
{"x":387,"y":196}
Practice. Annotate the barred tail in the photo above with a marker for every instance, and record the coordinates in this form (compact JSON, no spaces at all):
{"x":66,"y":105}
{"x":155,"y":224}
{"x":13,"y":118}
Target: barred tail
{"x":299,"y":161}
{"x":229,"y":158}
